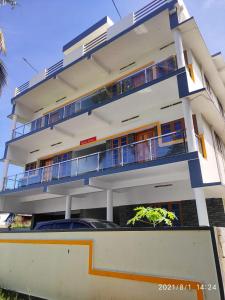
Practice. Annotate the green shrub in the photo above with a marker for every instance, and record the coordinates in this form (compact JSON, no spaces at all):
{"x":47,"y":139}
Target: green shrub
{"x":153,"y":216}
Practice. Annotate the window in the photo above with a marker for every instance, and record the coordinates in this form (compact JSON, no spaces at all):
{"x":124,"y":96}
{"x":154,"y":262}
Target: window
{"x":70,"y":109}
{"x":175,"y":207}
{"x":176,"y":126}
{"x":62,"y":157}
{"x":56,"y":115}
{"x":31,"y":166}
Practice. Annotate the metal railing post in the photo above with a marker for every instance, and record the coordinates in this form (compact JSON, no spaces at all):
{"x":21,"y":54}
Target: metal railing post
{"x":5,"y":179}
{"x":42,"y":174}
{"x":98,"y":157}
{"x":150,"y":149}
{"x":15,"y":182}
{"x":146,"y":78}
{"x":27,"y":178}
{"x":64,"y":112}
{"x":58,"y":174}
{"x":77,"y":166}
{"x":121,"y":153}
{"x":121,"y":87}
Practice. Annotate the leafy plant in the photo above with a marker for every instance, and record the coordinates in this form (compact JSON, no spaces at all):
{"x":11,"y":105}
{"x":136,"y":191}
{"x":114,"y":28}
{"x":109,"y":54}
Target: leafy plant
{"x":153,"y":216}
{"x":4,"y":295}
{"x":3,"y":72}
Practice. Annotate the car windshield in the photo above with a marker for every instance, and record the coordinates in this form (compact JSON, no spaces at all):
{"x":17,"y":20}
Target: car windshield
{"x":103,"y":224}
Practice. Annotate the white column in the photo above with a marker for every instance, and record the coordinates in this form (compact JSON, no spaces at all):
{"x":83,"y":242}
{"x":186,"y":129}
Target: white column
{"x":202,"y":212}
{"x":68,"y":207}
{"x":109,"y":209}
{"x":189,"y":126}
{"x":4,"y":172}
{"x":14,"y":121}
{"x":179,"y":48}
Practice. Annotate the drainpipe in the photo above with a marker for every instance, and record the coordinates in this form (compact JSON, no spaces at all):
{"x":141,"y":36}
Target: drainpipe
{"x":4,"y":172}
{"x":14,"y":121}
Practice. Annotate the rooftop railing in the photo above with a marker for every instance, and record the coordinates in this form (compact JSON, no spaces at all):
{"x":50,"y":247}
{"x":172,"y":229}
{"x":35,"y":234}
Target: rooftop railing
{"x":146,"y":10}
{"x":95,"y":42}
{"x":137,"y":16}
{"x":101,"y":96}
{"x":54,"y":68}
{"x":167,"y":145}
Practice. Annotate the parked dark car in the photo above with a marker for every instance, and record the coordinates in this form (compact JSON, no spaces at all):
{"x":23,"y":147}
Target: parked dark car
{"x":73,"y":224}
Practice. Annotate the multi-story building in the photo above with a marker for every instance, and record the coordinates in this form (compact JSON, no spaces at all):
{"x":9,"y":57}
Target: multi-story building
{"x":132,"y":114}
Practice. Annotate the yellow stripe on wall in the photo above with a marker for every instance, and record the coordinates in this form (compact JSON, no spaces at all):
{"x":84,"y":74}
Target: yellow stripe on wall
{"x":194,"y":285}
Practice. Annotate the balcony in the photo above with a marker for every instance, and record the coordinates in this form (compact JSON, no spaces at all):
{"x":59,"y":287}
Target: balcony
{"x":86,"y":48}
{"x":106,"y":94}
{"x":155,"y":148}
{"x":215,"y":100}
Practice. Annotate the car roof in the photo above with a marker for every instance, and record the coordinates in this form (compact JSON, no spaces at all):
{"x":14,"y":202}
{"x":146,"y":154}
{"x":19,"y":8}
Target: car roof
{"x":87,"y":220}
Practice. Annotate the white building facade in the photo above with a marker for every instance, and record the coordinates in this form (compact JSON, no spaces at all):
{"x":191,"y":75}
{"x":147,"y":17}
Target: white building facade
{"x":133,"y":114}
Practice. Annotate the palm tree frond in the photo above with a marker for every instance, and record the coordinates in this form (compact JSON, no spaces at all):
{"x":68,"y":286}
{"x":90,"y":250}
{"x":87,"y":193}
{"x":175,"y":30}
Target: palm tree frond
{"x":3,"y":75}
{"x":10,"y":2}
{"x":2,"y":43}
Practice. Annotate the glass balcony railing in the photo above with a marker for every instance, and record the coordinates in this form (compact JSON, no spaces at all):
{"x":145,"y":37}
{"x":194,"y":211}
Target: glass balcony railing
{"x":101,"y":96}
{"x":139,"y":152}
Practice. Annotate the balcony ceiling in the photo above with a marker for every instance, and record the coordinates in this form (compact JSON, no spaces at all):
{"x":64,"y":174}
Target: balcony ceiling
{"x":202,"y":104}
{"x":220,"y":65}
{"x":109,"y":116}
{"x":178,"y":178}
{"x":193,"y":39}
{"x":126,"y":49}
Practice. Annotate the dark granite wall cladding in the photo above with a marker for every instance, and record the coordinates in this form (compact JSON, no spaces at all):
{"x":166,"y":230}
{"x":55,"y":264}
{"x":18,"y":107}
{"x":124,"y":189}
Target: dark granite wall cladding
{"x":187,"y":217}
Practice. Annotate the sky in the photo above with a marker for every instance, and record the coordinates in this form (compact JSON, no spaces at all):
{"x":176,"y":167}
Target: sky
{"x":38,"y":29}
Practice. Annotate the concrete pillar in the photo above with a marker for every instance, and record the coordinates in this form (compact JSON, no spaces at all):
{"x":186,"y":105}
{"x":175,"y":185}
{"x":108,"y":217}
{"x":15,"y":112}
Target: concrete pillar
{"x":68,"y":207}
{"x":189,"y":126}
{"x":202,"y":212}
{"x":179,"y":48}
{"x":4,"y":172}
{"x":109,"y":209}
{"x":14,"y":121}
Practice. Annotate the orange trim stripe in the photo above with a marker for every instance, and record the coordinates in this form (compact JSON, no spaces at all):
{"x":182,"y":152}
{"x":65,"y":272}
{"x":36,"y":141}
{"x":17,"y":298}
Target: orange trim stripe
{"x":194,"y":285}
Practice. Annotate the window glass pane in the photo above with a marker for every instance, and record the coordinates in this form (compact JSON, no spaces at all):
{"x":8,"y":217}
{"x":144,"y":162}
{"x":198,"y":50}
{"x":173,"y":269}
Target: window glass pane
{"x":138,"y":79}
{"x":178,"y":127}
{"x":63,"y":225}
{"x":46,"y":227}
{"x":78,"y":225}
{"x":166,"y":128}
{"x":104,"y":225}
{"x":115,"y":143}
{"x":123,"y":141}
